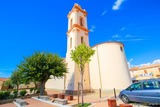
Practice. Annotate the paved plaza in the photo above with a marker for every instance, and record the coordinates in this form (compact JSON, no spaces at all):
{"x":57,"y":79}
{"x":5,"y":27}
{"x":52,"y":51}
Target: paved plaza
{"x":93,"y":98}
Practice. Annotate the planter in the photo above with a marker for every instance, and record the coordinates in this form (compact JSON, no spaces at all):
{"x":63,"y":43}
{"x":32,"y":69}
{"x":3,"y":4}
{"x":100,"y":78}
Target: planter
{"x":112,"y":103}
{"x":125,"y":105}
{"x":70,"y":97}
{"x":55,"y":95}
{"x":61,"y":96}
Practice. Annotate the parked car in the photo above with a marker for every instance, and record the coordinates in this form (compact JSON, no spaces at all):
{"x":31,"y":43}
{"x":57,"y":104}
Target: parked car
{"x":145,"y":91}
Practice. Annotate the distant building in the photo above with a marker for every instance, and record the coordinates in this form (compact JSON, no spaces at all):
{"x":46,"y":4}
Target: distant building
{"x":145,"y":72}
{"x":2,"y":80}
{"x":21,"y":86}
{"x":108,"y":68}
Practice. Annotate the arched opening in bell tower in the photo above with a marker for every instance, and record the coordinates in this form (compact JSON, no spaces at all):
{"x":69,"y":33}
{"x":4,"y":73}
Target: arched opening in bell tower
{"x":82,"y":40}
{"x":81,"y":21}
{"x":71,"y":23}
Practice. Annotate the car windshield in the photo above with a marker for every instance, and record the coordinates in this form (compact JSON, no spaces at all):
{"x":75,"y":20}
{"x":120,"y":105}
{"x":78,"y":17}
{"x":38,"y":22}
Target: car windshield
{"x":135,"y":86}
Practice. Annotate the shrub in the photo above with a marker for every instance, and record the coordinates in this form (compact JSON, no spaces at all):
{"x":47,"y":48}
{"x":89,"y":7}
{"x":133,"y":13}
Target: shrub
{"x":6,"y":94}
{"x":11,"y":96}
{"x":15,"y":92}
{"x":1,"y":95}
{"x":23,"y":92}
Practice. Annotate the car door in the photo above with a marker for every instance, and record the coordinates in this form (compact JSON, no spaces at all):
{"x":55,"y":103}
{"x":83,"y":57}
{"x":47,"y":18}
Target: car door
{"x":134,"y":92}
{"x":151,"y":91}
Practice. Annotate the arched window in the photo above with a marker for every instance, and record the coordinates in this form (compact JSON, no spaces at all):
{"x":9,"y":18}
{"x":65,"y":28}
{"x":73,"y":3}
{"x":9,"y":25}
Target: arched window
{"x":121,"y":48}
{"x":81,"y":21}
{"x":71,"y":23}
{"x":70,"y":42}
{"x":82,"y":41}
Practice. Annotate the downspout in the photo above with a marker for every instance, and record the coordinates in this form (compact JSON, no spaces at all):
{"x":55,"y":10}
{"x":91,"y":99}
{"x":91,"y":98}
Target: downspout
{"x":99,"y":68}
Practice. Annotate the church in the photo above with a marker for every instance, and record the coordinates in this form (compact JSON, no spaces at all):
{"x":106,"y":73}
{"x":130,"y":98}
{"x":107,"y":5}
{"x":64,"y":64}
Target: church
{"x":108,"y":67}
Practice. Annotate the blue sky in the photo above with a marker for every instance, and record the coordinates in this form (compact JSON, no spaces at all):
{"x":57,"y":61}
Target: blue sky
{"x":41,"y":25}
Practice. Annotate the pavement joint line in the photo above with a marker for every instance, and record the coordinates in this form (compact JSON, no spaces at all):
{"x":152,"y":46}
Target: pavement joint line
{"x":49,"y":102}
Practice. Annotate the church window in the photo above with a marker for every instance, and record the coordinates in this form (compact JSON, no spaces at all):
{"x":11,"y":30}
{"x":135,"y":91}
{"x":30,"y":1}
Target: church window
{"x":121,"y":48}
{"x":71,"y":23}
{"x":70,"y":42}
{"x":81,"y":21}
{"x":82,"y":40}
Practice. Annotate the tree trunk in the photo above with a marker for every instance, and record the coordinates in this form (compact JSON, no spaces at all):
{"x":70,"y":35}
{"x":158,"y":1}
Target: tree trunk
{"x":35,"y":83}
{"x":82,"y":85}
{"x":42,"y":88}
{"x":17,"y":87}
{"x":82,"y":88}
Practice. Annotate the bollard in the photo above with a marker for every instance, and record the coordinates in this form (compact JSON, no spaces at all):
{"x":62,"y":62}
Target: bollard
{"x":100,"y":93}
{"x":114,"y":93}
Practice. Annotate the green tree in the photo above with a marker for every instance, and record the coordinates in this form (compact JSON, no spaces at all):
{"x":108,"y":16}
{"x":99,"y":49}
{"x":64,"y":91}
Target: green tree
{"x":81,"y":55}
{"x":27,"y":79}
{"x":16,"y":78}
{"x":41,"y":65}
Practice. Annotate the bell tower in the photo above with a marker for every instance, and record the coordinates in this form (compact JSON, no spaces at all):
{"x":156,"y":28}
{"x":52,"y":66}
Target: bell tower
{"x":77,"y":34}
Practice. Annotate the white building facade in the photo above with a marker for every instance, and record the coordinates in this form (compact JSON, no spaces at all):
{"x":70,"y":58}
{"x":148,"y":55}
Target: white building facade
{"x":108,"y":67}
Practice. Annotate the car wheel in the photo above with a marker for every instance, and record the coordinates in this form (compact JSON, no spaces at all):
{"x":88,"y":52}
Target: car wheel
{"x":125,"y":99}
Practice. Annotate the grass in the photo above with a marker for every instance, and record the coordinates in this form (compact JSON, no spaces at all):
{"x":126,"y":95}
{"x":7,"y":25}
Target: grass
{"x":84,"y":105}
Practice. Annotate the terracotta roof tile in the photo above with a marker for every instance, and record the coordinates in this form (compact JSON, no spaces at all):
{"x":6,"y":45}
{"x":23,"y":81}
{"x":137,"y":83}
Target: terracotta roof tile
{"x":3,"y":79}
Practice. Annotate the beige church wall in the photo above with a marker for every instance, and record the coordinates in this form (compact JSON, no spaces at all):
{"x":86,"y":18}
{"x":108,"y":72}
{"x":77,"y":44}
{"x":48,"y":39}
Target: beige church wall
{"x":76,"y":19}
{"x":85,"y":37}
{"x":55,"y":84}
{"x":94,"y":71}
{"x":73,"y":16}
{"x":113,"y":68}
{"x":84,"y":19}
{"x":71,"y":41}
{"x":70,"y":75}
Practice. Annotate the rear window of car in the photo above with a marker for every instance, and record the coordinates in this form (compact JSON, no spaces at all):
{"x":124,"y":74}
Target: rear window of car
{"x":151,"y":85}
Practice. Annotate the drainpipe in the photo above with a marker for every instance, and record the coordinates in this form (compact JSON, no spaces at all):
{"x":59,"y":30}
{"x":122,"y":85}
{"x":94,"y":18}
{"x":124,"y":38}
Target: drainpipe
{"x":99,"y":68}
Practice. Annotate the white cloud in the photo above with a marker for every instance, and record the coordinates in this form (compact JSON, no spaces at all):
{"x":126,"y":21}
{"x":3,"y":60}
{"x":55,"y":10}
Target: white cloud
{"x":117,"y":4}
{"x":104,"y":12}
{"x":128,"y":36}
{"x":137,"y":39}
{"x":92,"y":28}
{"x":145,"y":64}
{"x":116,"y":36}
{"x":157,"y":61}
{"x":123,"y":28}
{"x":130,"y":40}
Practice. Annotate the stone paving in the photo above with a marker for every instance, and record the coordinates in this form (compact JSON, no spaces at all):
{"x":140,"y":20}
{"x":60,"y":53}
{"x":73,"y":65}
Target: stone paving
{"x":8,"y":105}
{"x":93,"y":98}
